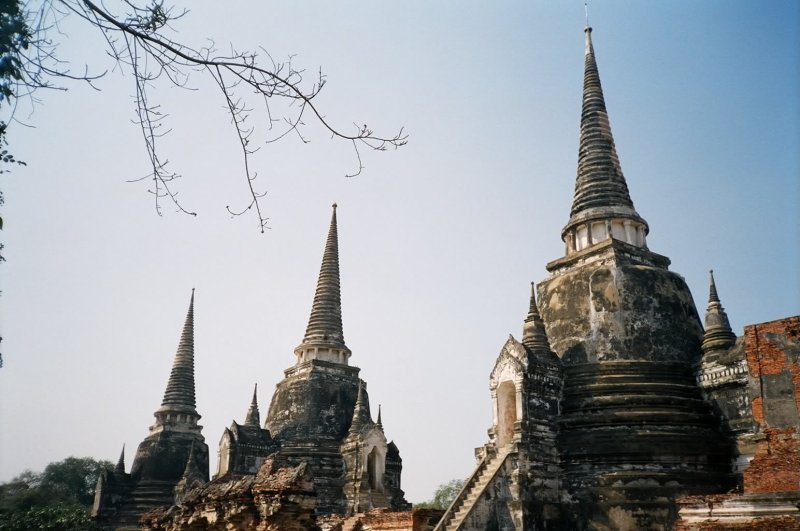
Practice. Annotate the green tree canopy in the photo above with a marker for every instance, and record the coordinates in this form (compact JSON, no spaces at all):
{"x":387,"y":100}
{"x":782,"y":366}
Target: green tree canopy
{"x":58,"y":517}
{"x":57,"y":499}
{"x":444,"y":495}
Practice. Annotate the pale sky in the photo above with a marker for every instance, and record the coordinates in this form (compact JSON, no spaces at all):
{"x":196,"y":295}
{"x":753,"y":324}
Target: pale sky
{"x":438,"y":240}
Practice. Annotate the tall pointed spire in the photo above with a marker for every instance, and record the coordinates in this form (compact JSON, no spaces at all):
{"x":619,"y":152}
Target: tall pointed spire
{"x":324,"y":338}
{"x":718,"y":334}
{"x":120,"y":468}
{"x":179,"y":395}
{"x":602,"y":207}
{"x":379,"y":423}
{"x":533,"y":333}
{"x":253,"y":416}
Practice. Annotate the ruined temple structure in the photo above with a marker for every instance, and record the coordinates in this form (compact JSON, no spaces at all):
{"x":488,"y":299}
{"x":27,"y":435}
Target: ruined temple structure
{"x":318,"y":453}
{"x":320,"y":411}
{"x":243,"y":447}
{"x":173,"y":458}
{"x":617,"y":407}
{"x":754,"y":382}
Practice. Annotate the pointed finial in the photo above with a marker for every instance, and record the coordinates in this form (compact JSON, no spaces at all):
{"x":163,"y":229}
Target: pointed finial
{"x":253,"y":416}
{"x":191,"y":469}
{"x":360,"y":395}
{"x":588,"y":29}
{"x":380,"y":421}
{"x":180,"y":392}
{"x":361,"y":414}
{"x":121,"y":462}
{"x":718,"y":334}
{"x":534,"y":335}
{"x":712,"y":288}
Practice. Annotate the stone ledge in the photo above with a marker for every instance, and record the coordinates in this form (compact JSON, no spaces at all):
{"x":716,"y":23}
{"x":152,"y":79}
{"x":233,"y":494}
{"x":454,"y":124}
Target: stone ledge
{"x":776,"y":511}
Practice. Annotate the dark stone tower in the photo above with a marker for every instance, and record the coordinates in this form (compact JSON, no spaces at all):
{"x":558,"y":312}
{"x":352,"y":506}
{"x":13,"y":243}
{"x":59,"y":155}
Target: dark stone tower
{"x":313,"y":409}
{"x":174,"y":450}
{"x":634,"y":430}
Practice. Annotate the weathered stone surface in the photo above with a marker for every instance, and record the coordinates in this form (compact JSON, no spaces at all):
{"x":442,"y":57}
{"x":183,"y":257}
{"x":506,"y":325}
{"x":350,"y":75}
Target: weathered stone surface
{"x":382,"y":520}
{"x":163,"y":455}
{"x":314,"y":402}
{"x":278,"y":497}
{"x":174,"y":454}
{"x":320,"y":413}
{"x":309,"y":416}
{"x":617,"y":302}
{"x":732,"y":512}
{"x":243,"y":448}
{"x":516,"y":483}
{"x":319,"y":419}
{"x":766,"y":428}
{"x":634,"y":430}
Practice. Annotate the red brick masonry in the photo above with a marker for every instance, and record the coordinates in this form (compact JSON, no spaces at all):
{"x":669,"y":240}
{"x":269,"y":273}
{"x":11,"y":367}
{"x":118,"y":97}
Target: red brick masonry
{"x":776,"y":464}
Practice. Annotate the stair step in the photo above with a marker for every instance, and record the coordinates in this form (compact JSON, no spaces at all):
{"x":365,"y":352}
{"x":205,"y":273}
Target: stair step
{"x":475,"y":488}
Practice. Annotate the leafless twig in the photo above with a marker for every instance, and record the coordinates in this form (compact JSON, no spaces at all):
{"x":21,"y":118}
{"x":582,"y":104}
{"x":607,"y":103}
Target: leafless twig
{"x":138,"y":40}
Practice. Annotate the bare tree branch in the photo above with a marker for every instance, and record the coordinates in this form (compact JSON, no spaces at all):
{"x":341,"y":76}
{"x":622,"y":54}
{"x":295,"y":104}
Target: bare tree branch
{"x":138,"y":42}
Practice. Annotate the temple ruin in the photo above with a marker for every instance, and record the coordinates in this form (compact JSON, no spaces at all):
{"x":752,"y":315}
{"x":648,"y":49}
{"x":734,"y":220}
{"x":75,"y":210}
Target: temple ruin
{"x":617,"y":409}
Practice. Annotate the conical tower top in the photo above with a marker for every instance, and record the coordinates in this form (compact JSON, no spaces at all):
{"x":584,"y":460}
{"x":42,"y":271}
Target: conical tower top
{"x":713,"y":297}
{"x":253,"y":416}
{"x":179,"y":395}
{"x":178,"y":407}
{"x":191,"y":472}
{"x":533,"y":333}
{"x":602,"y":207}
{"x":361,"y":415}
{"x":718,"y":334}
{"x":324,"y":338}
{"x":121,"y":462}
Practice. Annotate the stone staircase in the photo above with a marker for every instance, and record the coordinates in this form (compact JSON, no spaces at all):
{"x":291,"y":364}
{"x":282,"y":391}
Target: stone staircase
{"x":465,"y":500}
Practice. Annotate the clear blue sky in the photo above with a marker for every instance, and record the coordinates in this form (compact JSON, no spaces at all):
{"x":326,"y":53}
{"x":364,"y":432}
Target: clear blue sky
{"x":439,"y":240}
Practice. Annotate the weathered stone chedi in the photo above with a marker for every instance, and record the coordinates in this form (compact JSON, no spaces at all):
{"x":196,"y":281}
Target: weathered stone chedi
{"x":320,"y":411}
{"x":616,"y":410}
{"x":617,"y":402}
{"x":173,"y":453}
{"x":319,"y":451}
{"x":634,"y":430}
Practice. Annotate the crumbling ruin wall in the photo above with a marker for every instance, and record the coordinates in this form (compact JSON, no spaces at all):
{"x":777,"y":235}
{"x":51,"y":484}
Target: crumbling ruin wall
{"x":279,"y":497}
{"x":773,"y":360}
{"x":771,"y":479}
{"x":383,"y":520}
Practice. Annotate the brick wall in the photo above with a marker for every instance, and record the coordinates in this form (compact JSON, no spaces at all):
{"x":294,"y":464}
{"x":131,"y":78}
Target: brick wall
{"x":773,"y":359}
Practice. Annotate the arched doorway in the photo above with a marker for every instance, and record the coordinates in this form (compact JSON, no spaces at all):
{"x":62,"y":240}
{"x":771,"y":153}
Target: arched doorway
{"x":506,"y":412}
{"x":375,"y":470}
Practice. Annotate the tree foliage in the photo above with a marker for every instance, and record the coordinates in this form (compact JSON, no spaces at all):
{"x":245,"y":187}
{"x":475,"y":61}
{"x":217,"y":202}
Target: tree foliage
{"x":444,"y":495}
{"x":57,"y":517}
{"x":57,"y":498}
